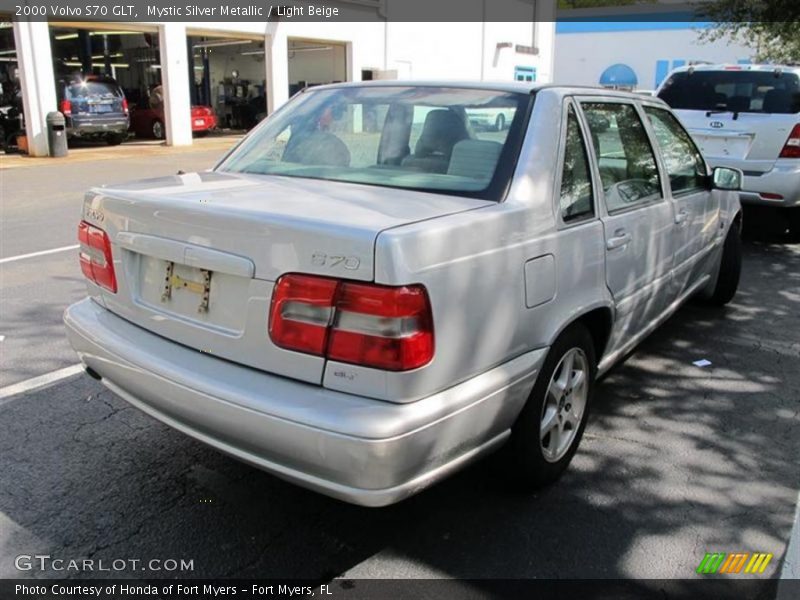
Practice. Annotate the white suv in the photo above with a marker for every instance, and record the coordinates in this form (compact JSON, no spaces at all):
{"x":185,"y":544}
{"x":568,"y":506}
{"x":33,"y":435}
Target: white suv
{"x":747,"y":117}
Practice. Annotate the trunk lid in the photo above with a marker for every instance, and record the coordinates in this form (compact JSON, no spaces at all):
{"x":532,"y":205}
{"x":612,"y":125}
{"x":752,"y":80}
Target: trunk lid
{"x":196,"y":255}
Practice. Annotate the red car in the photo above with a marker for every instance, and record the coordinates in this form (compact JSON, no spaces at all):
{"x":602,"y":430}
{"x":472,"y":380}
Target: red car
{"x":148,"y":120}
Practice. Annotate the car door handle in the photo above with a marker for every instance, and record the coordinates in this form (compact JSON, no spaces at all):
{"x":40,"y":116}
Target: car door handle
{"x":681,"y":217}
{"x":620,"y":239}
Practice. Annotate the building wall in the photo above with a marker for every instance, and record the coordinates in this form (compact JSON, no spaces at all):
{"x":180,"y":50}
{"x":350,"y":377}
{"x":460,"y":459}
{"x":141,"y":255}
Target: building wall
{"x":582,"y":56}
{"x":468,"y":51}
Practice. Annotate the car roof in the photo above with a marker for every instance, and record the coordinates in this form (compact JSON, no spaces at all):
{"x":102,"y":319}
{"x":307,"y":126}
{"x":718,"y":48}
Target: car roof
{"x":737,"y":67}
{"x":499,"y":86}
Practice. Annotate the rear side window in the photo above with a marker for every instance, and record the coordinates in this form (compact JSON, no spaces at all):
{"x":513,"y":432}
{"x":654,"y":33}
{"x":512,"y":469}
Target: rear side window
{"x":685,"y":164}
{"x":625,"y":158}
{"x":771,"y":92}
{"x":577,"y":199}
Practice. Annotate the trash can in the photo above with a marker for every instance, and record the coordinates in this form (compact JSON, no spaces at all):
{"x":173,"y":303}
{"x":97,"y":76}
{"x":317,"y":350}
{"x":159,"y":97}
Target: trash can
{"x":57,"y":134}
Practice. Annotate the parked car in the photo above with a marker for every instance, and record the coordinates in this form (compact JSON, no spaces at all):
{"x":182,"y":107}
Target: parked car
{"x":491,"y":118}
{"x":748,"y":117}
{"x":94,"y":108}
{"x":363,"y":313}
{"x":147,"y":120}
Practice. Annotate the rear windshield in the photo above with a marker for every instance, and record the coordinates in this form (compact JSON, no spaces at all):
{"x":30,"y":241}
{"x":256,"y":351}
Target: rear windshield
{"x":93,"y":89}
{"x":735,"y":91}
{"x":446,"y":140}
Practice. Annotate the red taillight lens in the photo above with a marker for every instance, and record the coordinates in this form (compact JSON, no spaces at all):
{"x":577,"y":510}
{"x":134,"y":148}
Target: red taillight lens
{"x":377,"y":326}
{"x":66,"y":107}
{"x":792,"y":147}
{"x":383,"y":327}
{"x":125,"y":105}
{"x":301,"y":312}
{"x":95,"y":256}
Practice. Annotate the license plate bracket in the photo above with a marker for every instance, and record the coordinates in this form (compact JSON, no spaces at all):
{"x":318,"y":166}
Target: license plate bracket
{"x":173,"y":282}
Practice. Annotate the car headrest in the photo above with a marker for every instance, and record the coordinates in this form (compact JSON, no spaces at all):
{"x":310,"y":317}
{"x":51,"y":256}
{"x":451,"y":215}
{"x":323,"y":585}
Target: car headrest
{"x":440,"y":132}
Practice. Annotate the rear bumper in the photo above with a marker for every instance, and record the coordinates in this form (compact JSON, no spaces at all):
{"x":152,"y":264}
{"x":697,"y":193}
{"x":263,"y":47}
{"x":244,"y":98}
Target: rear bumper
{"x":100,"y":126}
{"x":364,"y":451}
{"x":203,"y":123}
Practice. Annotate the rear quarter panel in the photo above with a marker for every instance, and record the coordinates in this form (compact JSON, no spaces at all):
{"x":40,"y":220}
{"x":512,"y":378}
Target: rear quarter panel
{"x":473,"y":265}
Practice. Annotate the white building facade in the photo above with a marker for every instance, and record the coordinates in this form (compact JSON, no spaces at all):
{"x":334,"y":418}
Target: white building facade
{"x":345,"y":51}
{"x":635,"y":54}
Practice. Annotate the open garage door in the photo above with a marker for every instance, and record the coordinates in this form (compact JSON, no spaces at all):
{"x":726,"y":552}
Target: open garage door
{"x":102,"y":77}
{"x":315,"y":63}
{"x":229,"y":78}
{"x":11,"y":114}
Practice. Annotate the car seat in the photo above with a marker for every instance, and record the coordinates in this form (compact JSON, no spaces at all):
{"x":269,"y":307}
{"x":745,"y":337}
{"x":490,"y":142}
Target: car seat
{"x":476,"y":159}
{"x":442,"y":130}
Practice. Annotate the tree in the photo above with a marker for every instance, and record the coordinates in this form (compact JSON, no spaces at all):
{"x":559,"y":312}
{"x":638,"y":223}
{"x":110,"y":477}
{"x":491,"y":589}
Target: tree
{"x":770,"y":27}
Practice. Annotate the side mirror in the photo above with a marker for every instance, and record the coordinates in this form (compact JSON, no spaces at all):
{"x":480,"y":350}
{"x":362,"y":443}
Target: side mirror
{"x":725,"y":178}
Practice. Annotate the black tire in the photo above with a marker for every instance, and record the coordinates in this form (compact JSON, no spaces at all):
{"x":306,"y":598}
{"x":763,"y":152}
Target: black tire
{"x":793,"y":215}
{"x":157,"y":129}
{"x":115,"y":139}
{"x":529,"y":469}
{"x":730,"y":269}
{"x":500,"y":122}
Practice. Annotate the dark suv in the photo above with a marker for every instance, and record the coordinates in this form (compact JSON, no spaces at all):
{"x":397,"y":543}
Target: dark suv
{"x":94,"y":107}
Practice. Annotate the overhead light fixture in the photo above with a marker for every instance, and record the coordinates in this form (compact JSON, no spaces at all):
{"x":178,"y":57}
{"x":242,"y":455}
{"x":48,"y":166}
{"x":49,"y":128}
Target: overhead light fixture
{"x":252,"y":53}
{"x":115,"y":33}
{"x":219,"y":43}
{"x":74,"y":36}
{"x":8,"y":51}
{"x":310,"y":48}
{"x":97,"y":65}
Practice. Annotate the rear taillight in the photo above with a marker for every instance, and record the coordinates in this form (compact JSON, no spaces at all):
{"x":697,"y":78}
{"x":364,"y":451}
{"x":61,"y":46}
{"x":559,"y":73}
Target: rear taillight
{"x":377,"y":326}
{"x":792,"y":147}
{"x":95,"y":256}
{"x":301,"y":312}
{"x":66,"y":107}
{"x":125,"y":105}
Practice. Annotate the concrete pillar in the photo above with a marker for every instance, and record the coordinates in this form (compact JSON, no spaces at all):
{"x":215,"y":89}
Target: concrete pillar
{"x":32,"y":40}
{"x":175,"y":83}
{"x":276,"y":49}
{"x":546,"y":35}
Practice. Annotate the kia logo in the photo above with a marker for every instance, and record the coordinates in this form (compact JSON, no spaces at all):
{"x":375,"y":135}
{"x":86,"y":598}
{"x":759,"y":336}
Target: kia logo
{"x":717,"y":124}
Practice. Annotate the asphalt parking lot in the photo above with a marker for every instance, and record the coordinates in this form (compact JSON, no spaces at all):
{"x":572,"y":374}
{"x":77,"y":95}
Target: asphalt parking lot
{"x":677,"y":460}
